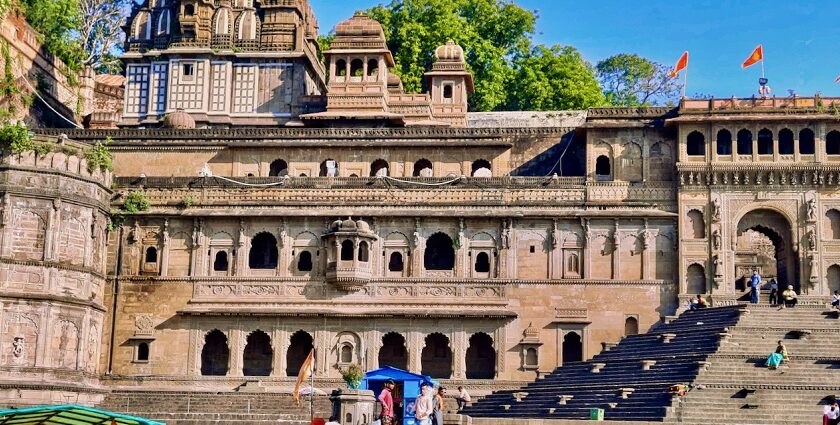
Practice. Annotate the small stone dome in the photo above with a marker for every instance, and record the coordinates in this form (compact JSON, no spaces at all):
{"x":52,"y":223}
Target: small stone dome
{"x":179,"y":119}
{"x":363,"y":226}
{"x":450,"y":52}
{"x":348,"y":225}
{"x":360,"y":25}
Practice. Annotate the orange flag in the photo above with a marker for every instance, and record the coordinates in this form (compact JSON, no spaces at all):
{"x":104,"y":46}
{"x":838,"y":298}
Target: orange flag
{"x":837,"y":80}
{"x":682,"y":63}
{"x":755,"y":56}
{"x":304,"y":374}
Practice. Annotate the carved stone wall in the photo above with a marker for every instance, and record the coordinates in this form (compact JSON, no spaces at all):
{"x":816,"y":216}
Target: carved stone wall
{"x":52,"y":276}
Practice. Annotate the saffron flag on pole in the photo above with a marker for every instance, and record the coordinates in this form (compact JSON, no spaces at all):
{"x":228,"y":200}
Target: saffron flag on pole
{"x":837,"y":80}
{"x":682,"y":63}
{"x":756,"y":56}
{"x":304,"y":374}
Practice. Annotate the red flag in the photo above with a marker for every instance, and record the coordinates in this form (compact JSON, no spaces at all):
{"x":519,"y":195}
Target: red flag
{"x":756,"y":56}
{"x":303,"y":375}
{"x":682,"y":63}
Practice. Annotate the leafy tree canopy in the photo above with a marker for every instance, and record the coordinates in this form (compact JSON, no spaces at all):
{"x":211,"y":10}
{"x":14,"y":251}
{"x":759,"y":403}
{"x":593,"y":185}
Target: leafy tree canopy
{"x":554,"y":78}
{"x":631,"y":80}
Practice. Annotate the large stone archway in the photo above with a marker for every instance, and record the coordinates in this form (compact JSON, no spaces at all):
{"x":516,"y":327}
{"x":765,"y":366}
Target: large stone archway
{"x":764,"y":242}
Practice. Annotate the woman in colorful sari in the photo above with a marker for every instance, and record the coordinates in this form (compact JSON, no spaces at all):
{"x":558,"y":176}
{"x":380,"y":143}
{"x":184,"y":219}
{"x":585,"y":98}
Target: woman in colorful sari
{"x":780,"y":355}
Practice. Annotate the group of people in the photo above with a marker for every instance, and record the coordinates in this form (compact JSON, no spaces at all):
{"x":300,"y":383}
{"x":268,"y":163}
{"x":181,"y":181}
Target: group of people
{"x":428,"y":408}
{"x":788,"y":297}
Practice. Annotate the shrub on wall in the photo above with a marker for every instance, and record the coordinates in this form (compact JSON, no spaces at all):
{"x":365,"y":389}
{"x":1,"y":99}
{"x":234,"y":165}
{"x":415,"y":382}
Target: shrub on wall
{"x":99,"y":156}
{"x":136,"y":202}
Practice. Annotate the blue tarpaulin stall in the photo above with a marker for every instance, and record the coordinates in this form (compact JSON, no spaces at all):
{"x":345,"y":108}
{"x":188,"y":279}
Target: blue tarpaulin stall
{"x":406,"y":391}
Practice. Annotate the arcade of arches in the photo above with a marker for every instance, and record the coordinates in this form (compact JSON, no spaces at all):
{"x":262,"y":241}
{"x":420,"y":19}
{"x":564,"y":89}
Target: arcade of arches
{"x":436,"y":359}
{"x":765,"y":243}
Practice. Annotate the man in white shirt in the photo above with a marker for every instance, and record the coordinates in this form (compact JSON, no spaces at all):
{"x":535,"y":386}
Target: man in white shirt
{"x":463,"y":398}
{"x":832,"y":413}
{"x":423,"y":406}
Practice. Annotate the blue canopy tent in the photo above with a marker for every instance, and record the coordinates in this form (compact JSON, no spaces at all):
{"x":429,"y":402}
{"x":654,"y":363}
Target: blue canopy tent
{"x":406,"y":391}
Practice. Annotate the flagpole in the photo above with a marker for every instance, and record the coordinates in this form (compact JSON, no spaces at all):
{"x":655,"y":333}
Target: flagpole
{"x":762,"y":63}
{"x":685,"y":81}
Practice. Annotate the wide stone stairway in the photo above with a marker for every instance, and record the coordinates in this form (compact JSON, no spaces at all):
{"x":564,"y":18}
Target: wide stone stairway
{"x":228,"y":408}
{"x":630,"y":380}
{"x":720,"y":352}
{"x":739,"y":389}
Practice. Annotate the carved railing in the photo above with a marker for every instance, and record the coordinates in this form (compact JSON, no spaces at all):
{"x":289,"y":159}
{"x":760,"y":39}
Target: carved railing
{"x":281,"y":290}
{"x":732,"y":104}
{"x":766,"y":175}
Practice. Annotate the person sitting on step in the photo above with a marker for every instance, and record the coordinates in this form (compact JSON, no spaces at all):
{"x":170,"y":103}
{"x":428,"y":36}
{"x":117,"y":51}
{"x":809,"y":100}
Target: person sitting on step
{"x":789,"y":296}
{"x":835,"y":300}
{"x":778,"y":356}
{"x":697,"y":303}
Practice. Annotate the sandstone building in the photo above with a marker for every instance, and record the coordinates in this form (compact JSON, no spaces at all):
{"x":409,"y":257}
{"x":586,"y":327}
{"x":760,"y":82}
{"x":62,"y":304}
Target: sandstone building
{"x":295,"y":207}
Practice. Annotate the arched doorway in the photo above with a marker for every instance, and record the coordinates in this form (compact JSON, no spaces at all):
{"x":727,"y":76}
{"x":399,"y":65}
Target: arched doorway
{"x":436,"y":357}
{"x":393,"y":352}
{"x":833,"y":278}
{"x":215,"y":354}
{"x":572,"y":348}
{"x":481,"y":357}
{"x":299,"y":347}
{"x":695,"y":279}
{"x":256,"y":359}
{"x":764,"y":243}
{"x":631,"y":326}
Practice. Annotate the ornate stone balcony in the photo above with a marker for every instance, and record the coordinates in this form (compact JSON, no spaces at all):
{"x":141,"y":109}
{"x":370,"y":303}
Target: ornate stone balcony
{"x":347,"y":275}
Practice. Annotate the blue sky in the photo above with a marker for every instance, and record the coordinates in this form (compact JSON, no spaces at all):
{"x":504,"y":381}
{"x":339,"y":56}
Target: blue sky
{"x":801,"y":38}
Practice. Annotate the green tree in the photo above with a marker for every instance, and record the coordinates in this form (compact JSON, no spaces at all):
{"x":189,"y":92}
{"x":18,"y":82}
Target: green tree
{"x":57,"y":21}
{"x":631,"y":80}
{"x":492,"y":33}
{"x":554,"y":78}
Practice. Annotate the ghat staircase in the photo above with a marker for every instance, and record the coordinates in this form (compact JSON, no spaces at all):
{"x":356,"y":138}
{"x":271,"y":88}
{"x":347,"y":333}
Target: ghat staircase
{"x":719,"y":351}
{"x":222,"y":408}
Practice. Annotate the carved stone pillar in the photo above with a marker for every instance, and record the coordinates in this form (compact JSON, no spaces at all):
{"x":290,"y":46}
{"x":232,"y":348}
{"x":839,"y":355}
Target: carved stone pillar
{"x":459,"y":354}
{"x":616,"y":251}
{"x":587,"y":246}
{"x":236,"y":352}
{"x":283,"y":251}
{"x":53,"y":229}
{"x":418,"y":245}
{"x":461,"y":260}
{"x":374,"y":344}
{"x":241,"y":268}
{"x":647,"y":258}
{"x":5,"y":228}
{"x":321,"y":351}
{"x":280,"y":343}
{"x":415,"y":348}
{"x":164,"y":257}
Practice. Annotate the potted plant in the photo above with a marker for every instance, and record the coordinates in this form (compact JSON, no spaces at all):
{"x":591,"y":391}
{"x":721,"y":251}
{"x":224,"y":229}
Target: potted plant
{"x":353,"y":376}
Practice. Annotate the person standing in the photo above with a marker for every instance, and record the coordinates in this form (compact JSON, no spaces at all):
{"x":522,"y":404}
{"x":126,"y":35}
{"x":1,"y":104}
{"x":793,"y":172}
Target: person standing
{"x":774,"y":292}
{"x":755,"y":282}
{"x":437,"y":407}
{"x":463,"y":398}
{"x":832,"y":414}
{"x":423,"y":406}
{"x":835,"y":300}
{"x":387,"y":401}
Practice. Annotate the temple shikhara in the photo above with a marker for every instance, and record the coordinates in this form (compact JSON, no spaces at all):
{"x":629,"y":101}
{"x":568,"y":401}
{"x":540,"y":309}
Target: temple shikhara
{"x":297,"y":203}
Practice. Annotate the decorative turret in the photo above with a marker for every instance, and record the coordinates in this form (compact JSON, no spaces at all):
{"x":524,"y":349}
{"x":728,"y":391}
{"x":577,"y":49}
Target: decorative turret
{"x":349,"y":244}
{"x":449,"y":83}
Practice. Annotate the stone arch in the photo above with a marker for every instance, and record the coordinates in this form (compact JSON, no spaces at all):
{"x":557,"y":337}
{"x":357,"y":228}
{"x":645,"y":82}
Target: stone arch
{"x":603,"y":248}
{"x":765,"y":142}
{"x":258,"y":355}
{"x":300,"y":344}
{"x":807,"y":146}
{"x":29,"y":245}
{"x":65,"y":346}
{"x":786,"y":144}
{"x":631,"y":326}
{"x":215,"y":354}
{"x":143,"y":352}
{"x":482,"y":263}
{"x":341,"y":68}
{"x":379,"y":168}
{"x":179,"y":253}
{"x":373,"y":69}
{"x":346,"y":250}
{"x":393,"y":352}
{"x":247,"y":26}
{"x":356,"y":68}
{"x":531,"y":358}
{"x":832,"y":224}
{"x":573,"y":264}
{"x":532,"y":254}
{"x":142,"y":26}
{"x":744,"y":142}
{"x":832,"y":143}
{"x":436,"y":357}
{"x":364,"y":252}
{"x":163,"y":22}
{"x":765,"y":242}
{"x":481,"y":168}
{"x":396,"y":263}
{"x":220,"y":262}
{"x":278,"y":168}
{"x":151,"y":255}
{"x":221,"y":21}
{"x":439,"y":253}
{"x":695,"y":224}
{"x":603,"y":168}
{"x":572,"y":347}
{"x":423,"y":168}
{"x":661,"y":162}
{"x":20,"y":332}
{"x":480,"y":357}
{"x":695,"y":144}
{"x":263,"y":252}
{"x":695,"y":279}
{"x":832,"y":278}
{"x":631,"y":162}
{"x":724,"y":142}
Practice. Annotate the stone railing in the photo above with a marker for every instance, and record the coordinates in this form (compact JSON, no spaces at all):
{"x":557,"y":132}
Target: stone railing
{"x":766,"y":174}
{"x":289,"y":290}
{"x":729,"y":105}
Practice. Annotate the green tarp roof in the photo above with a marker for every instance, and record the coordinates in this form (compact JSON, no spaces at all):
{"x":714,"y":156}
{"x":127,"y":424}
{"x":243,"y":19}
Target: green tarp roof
{"x":68,"y":414}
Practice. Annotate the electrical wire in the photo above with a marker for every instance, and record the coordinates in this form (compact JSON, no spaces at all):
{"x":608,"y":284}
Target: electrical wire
{"x":35,"y":92}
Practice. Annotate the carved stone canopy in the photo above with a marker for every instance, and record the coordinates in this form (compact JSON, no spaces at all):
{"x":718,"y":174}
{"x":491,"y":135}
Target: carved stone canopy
{"x":349,"y":246}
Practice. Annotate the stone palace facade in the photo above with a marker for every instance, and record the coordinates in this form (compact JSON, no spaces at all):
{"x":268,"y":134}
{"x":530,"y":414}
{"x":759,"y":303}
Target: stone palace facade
{"x":296,"y":206}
